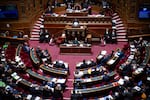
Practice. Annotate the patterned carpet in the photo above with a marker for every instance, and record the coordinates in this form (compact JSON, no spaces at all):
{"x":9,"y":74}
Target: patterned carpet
{"x":72,"y":60}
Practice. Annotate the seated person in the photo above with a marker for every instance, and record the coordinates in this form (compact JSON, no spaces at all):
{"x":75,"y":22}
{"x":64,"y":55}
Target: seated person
{"x":26,"y":47}
{"x":75,"y":41}
{"x":92,"y":63}
{"x":106,"y":78}
{"x":58,"y":92}
{"x":119,"y":53}
{"x":20,"y":35}
{"x":83,"y":65}
{"x":84,"y":5}
{"x":69,"y":6}
{"x":38,"y":51}
{"x":59,"y":65}
{"x":49,"y":10}
{"x":78,"y":74}
{"x":75,"y":23}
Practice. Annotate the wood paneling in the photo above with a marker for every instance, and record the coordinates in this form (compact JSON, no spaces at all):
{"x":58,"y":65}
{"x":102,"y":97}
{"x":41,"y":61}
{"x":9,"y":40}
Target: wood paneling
{"x":28,"y":14}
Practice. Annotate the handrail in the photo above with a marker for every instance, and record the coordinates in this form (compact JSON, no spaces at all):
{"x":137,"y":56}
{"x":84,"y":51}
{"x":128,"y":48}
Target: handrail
{"x":135,"y":36}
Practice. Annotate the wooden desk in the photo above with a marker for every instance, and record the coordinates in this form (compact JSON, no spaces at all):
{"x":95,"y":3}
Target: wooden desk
{"x":88,"y":91}
{"x":54,"y":70}
{"x":70,"y":28}
{"x":45,"y":78}
{"x":33,"y":56}
{"x":11,"y":39}
{"x":77,"y":13}
{"x":18,"y":49}
{"x":93,"y":79}
{"x":75,"y":50}
{"x":25,"y":83}
{"x":81,"y":19}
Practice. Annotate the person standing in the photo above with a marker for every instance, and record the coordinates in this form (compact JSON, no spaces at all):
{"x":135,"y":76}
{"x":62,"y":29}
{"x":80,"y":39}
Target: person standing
{"x":47,"y":36}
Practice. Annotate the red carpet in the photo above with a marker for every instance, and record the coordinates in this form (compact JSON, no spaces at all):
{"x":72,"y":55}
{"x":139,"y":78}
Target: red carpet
{"x":74,"y":59}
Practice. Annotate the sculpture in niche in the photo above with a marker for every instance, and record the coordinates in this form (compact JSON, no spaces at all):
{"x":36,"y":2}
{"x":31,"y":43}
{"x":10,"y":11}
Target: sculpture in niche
{"x":77,"y":6}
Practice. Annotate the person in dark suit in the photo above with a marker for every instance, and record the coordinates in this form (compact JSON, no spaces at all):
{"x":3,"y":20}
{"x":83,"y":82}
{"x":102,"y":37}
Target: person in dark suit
{"x":26,"y":47}
{"x":46,"y":92}
{"x":106,"y":78}
{"x":47,"y":36}
{"x":75,"y":41}
{"x":42,"y":36}
{"x":58,"y":93}
{"x":49,"y":10}
{"x":83,"y":65}
{"x":113,"y":36}
{"x":20,"y":35}
{"x":107,"y":36}
{"x":92,"y":63}
{"x":59,"y":65}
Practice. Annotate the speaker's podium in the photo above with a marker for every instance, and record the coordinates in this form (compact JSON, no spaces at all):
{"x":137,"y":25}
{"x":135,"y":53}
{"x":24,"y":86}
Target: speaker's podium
{"x":73,"y":33}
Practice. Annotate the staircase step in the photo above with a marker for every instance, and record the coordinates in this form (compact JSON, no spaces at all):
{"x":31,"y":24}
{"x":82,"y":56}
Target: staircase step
{"x":120,"y":28}
{"x":35,"y":30}
{"x":114,"y":14}
{"x":119,"y":25}
{"x":41,"y":19}
{"x":115,"y":17}
{"x":36,"y":27}
{"x":121,"y":37}
{"x":122,"y":40}
{"x":119,"y":21}
{"x":37,"y":33}
{"x":39,"y":22}
{"x":119,"y":31}
{"x":34,"y":38}
{"x":123,"y":33}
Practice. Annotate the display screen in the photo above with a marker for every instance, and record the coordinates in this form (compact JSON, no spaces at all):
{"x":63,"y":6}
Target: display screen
{"x":144,"y":12}
{"x":9,"y":11}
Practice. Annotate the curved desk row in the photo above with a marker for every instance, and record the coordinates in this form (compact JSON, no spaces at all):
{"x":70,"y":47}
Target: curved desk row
{"x":25,"y":83}
{"x":140,"y":69}
{"x":54,"y":70}
{"x":90,"y":71}
{"x":96,"y":89}
{"x":45,"y":78}
{"x":93,"y":79}
{"x":18,"y":49}
{"x":33,"y":56}
{"x":147,"y":55}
